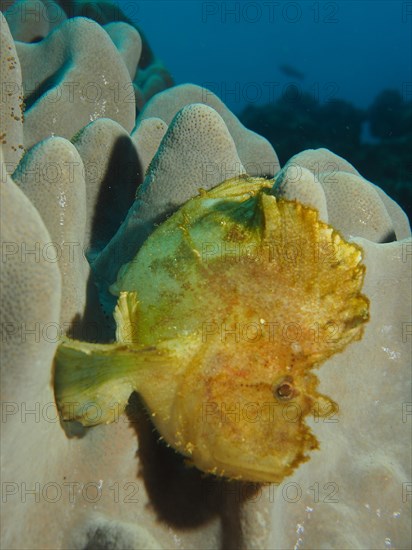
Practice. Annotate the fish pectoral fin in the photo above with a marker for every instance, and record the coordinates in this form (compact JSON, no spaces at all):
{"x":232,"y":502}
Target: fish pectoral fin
{"x":93,"y":382}
{"x":126,"y":315}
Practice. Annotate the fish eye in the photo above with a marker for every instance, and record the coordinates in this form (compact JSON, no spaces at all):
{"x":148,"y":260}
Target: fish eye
{"x":284,"y":389}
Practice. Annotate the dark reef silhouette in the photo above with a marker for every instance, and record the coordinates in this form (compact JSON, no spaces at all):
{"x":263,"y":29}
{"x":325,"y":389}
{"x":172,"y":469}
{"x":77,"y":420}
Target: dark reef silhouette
{"x":377,"y":140}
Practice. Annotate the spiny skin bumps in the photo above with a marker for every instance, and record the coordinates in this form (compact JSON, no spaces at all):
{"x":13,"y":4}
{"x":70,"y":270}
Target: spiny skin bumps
{"x":184,"y":292}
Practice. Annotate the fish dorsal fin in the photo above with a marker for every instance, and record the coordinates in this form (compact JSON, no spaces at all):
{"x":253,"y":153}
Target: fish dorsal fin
{"x":125,"y":315}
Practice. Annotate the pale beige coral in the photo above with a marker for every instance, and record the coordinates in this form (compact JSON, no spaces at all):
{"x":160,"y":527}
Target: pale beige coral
{"x":255,"y":152}
{"x":25,"y":274}
{"x":32,"y":20}
{"x":68,"y":493}
{"x":151,"y":76}
{"x":112,"y":173}
{"x":321,"y":161}
{"x":196,"y":152}
{"x":28,"y":345}
{"x":399,"y":219}
{"x":84,"y":79}
{"x":100,"y":532}
{"x":357,"y":207}
{"x":152,"y":80}
{"x":52,"y":176}
{"x":128,"y":43}
{"x":11,"y":100}
{"x":46,"y":474}
{"x":147,"y":136}
{"x":295,"y":182}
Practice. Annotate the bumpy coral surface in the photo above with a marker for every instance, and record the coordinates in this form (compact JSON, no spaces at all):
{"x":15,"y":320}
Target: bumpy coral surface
{"x":103,"y":151}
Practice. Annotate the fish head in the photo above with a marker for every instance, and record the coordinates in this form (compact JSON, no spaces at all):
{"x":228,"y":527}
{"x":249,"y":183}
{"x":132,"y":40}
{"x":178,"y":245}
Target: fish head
{"x":242,"y":410}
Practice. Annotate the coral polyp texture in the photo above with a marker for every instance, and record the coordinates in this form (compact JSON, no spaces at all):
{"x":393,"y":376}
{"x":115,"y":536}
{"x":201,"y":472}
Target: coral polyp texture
{"x":100,"y":155}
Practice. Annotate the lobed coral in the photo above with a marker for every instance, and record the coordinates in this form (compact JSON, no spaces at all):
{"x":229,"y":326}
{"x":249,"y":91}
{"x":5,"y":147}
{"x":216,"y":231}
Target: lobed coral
{"x":69,"y":220}
{"x":376,"y":140}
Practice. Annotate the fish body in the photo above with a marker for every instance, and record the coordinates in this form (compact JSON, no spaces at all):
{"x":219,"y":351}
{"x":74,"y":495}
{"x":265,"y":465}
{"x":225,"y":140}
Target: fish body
{"x":288,"y":70}
{"x":221,"y":318}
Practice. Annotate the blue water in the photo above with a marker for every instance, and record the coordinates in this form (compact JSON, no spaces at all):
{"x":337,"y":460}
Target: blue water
{"x":345,"y":49}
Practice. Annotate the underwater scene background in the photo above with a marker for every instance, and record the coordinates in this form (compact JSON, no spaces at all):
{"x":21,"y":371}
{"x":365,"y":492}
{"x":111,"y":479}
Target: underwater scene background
{"x":205,"y":287}
{"x":302,"y":74}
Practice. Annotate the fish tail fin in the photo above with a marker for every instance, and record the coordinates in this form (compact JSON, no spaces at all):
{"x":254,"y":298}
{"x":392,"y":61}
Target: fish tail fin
{"x":93,"y":382}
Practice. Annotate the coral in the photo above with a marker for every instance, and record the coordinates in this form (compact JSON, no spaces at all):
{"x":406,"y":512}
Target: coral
{"x":257,"y":156}
{"x":301,"y":122}
{"x":190,"y":168}
{"x":11,"y":112}
{"x":51,"y":176}
{"x":88,"y":486}
{"x":32,"y":21}
{"x":342,"y":196}
{"x":75,"y":88}
{"x":112,"y":171}
{"x":214,"y":155}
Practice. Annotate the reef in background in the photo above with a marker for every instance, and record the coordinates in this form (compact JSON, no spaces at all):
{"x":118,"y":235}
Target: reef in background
{"x":299,"y":121}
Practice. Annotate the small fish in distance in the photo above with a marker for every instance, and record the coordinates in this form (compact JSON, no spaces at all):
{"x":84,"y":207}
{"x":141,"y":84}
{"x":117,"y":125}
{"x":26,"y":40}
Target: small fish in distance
{"x":292,"y":72}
